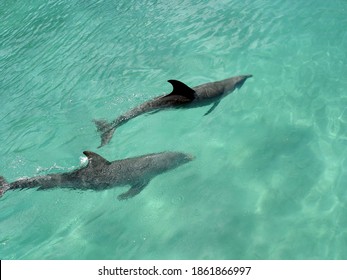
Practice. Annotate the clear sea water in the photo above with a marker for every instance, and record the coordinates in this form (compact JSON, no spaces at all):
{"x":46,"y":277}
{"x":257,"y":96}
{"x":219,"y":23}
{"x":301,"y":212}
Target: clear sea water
{"x":270,"y":176}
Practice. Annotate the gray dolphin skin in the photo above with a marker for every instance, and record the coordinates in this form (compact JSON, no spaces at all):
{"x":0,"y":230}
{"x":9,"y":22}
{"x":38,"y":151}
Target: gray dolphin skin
{"x":100,"y":174}
{"x":181,"y":96}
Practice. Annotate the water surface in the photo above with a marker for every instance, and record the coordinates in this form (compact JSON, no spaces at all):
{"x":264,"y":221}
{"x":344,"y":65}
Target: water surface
{"x":270,"y":175}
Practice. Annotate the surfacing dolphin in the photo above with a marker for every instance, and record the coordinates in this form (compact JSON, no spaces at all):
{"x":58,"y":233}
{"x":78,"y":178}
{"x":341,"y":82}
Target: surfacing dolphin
{"x":101,"y":174}
{"x":181,"y":96}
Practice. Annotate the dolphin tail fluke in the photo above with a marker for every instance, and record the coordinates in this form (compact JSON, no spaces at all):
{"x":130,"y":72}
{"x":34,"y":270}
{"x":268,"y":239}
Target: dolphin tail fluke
{"x":106,"y":130}
{"x":3,"y":186}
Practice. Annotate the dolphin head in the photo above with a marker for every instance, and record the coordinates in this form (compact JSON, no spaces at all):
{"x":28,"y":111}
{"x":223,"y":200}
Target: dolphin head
{"x":240,"y":80}
{"x":170,"y":160}
{"x":175,"y":159}
{"x":229,"y":85}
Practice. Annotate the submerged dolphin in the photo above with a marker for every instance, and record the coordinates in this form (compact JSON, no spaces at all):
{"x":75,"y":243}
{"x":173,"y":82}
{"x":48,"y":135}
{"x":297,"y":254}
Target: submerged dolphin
{"x":100,"y":174}
{"x":181,"y":95}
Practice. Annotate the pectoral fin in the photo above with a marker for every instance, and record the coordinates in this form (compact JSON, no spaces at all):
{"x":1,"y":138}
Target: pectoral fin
{"x":134,"y":190}
{"x":212,"y":108}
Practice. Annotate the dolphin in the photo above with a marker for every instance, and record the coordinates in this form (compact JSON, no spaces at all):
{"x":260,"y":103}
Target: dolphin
{"x":100,"y":174}
{"x":180,"y":97}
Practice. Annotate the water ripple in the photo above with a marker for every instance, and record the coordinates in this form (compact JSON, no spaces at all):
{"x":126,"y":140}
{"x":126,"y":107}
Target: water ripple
{"x":273,"y":151}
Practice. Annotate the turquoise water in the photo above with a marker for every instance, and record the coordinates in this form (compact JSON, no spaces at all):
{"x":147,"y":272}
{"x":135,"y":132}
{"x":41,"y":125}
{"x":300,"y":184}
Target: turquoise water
{"x":270,"y":175}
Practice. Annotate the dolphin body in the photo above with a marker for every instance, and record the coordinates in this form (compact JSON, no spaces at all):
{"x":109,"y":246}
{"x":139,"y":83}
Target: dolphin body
{"x":100,"y":174}
{"x":181,"y":96}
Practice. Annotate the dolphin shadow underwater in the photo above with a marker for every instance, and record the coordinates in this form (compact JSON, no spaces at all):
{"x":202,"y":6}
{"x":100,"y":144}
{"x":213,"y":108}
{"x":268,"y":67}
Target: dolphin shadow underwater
{"x":182,"y":96}
{"x":100,"y":174}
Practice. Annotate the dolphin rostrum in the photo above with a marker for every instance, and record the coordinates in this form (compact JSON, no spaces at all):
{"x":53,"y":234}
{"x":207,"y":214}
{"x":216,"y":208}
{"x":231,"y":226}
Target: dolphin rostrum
{"x":181,"y":96}
{"x":100,"y":174}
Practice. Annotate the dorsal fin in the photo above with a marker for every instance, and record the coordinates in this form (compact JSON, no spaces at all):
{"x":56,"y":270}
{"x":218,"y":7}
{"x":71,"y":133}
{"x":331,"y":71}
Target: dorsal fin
{"x":95,"y":160}
{"x":182,"y":89}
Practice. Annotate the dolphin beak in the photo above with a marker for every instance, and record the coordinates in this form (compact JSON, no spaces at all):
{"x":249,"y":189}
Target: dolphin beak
{"x":190,"y":157}
{"x":242,"y":80}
